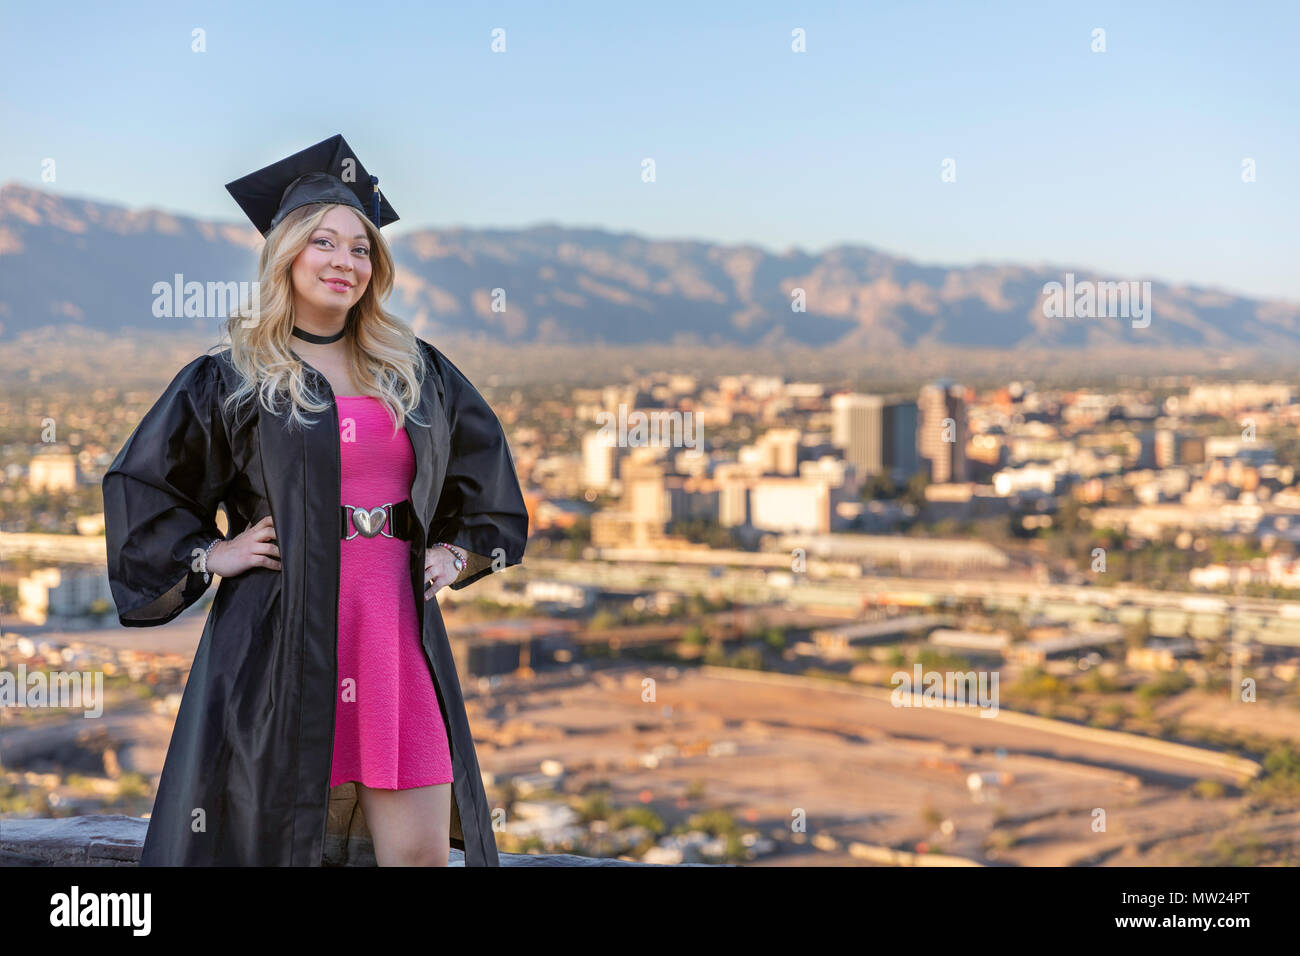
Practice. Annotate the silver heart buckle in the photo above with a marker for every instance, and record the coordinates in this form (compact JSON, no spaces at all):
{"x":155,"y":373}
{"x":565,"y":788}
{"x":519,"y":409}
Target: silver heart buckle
{"x":370,"y":522}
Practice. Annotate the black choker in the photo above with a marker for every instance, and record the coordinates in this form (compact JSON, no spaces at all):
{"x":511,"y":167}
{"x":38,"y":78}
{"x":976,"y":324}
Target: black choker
{"x":319,"y":339}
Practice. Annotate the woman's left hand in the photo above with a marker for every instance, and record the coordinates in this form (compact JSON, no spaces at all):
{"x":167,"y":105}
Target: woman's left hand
{"x":439,"y":570}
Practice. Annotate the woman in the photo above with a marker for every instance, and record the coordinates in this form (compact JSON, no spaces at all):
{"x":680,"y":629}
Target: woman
{"x":321,"y":667}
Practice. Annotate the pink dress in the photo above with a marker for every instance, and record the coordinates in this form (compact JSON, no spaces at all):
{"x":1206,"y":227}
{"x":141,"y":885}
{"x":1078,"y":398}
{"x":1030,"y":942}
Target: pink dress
{"x":388,"y":731}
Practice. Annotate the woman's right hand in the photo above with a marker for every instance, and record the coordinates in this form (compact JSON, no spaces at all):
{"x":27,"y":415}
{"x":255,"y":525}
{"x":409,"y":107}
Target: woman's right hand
{"x":255,"y":547}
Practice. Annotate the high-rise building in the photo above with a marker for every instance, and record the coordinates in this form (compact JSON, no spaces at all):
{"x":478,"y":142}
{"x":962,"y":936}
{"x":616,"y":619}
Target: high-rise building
{"x":899,"y":430}
{"x":942,"y":431}
{"x":599,"y":460}
{"x":645,"y":494}
{"x":876,"y":434}
{"x":1166,"y":447}
{"x":778,"y":450}
{"x":857,"y":429}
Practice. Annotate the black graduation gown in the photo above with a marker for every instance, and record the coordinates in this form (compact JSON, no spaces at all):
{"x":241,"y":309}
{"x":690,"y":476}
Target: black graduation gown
{"x":246,"y":777}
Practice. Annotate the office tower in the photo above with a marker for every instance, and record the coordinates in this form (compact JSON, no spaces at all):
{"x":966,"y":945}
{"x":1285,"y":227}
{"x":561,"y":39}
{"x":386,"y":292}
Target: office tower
{"x":942,"y":431}
{"x":599,"y":460}
{"x":857,"y":429}
{"x":899,"y":454}
{"x":876,"y":434}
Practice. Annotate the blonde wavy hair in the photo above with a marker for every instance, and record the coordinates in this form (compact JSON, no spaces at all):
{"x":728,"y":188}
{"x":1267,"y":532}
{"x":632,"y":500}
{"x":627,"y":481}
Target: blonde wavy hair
{"x":384,"y":355}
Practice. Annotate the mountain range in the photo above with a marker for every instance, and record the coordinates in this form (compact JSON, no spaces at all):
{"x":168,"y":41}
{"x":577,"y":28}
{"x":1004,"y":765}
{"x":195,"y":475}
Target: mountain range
{"x":65,"y":259}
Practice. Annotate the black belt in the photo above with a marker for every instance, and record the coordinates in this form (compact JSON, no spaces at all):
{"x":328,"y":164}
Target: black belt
{"x":389,"y":520}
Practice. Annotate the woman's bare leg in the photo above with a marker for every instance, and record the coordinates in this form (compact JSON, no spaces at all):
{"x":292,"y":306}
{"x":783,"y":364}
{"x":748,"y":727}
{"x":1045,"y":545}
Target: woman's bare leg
{"x":409,"y":827}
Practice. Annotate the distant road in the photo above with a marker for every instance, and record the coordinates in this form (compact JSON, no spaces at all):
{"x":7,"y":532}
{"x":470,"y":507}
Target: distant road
{"x":753,"y":585}
{"x":946,"y":724}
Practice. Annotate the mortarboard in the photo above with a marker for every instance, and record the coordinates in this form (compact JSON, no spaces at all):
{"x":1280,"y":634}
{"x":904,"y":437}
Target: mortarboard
{"x":326,"y":172}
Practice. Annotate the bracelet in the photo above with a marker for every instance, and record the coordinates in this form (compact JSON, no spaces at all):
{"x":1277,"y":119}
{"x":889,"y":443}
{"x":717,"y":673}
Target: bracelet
{"x":203,"y":559}
{"x":456,"y":553}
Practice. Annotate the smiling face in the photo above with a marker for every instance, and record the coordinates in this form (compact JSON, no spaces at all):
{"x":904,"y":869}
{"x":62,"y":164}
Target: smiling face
{"x":333,"y":269}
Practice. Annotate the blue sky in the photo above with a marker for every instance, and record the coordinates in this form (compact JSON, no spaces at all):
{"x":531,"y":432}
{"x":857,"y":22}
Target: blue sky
{"x":1127,"y":161}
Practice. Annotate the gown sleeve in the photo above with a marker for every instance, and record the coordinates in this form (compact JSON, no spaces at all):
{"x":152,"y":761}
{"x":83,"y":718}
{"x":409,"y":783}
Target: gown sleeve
{"x":481,"y":507}
{"x":161,"y":495}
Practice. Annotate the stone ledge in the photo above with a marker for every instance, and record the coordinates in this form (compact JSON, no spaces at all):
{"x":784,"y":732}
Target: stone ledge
{"x":116,"y":840}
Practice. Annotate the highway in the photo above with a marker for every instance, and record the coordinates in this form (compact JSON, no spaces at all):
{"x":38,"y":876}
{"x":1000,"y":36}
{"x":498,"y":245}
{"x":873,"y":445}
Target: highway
{"x":1263,"y":620}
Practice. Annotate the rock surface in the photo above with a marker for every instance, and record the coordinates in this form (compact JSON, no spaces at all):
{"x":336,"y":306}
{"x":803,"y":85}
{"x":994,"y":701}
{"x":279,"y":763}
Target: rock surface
{"x":116,"y":840}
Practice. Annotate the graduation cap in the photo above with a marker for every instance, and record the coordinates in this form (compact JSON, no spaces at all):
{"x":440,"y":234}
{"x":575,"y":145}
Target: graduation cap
{"x":326,"y":172}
